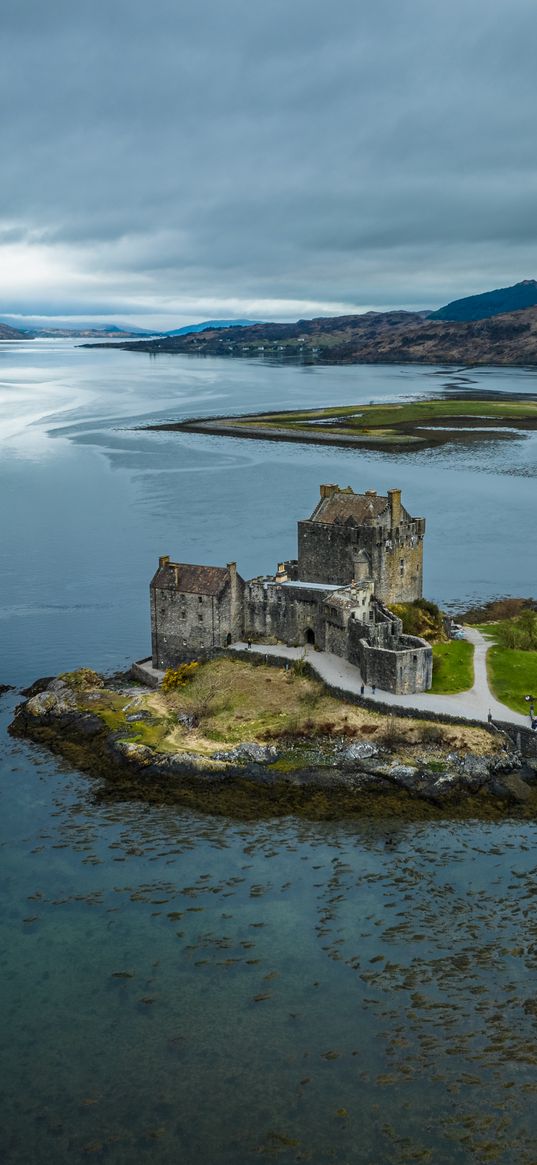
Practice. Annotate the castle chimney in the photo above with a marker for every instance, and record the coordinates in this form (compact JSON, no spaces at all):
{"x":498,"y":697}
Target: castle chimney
{"x":164,"y":560}
{"x":328,"y":490}
{"x":370,"y":493}
{"x":394,"y":496}
{"x":235,"y":602}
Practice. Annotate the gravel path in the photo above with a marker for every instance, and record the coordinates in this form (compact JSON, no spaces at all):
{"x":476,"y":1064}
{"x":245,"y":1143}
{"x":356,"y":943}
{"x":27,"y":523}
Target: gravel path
{"x":474,"y":704}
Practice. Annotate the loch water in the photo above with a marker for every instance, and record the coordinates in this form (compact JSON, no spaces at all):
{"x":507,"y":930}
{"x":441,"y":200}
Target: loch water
{"x":178,"y":986}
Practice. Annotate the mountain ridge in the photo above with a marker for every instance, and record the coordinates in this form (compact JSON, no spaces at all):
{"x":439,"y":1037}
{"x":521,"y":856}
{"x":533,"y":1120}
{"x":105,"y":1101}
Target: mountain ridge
{"x":490,"y":303}
{"x":385,"y":337}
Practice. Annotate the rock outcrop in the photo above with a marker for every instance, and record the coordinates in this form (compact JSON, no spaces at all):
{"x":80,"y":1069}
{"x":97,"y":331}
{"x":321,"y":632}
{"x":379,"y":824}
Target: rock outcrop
{"x":352,"y":775}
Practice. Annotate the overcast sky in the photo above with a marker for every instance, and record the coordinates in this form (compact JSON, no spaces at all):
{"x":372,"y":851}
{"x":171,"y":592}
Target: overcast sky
{"x":172,"y":160}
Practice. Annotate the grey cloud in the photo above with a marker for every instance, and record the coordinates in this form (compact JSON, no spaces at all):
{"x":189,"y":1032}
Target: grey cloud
{"x":356,"y":152}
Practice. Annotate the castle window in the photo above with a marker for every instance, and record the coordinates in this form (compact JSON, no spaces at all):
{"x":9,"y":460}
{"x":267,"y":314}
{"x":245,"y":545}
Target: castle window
{"x":200,"y":598}
{"x":200,"y":617}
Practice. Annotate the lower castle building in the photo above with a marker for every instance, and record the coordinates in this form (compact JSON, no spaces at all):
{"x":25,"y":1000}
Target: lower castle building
{"x":356,"y":554}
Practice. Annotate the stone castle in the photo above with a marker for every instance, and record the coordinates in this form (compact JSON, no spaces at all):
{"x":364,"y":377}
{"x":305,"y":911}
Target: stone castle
{"x":357,"y":553}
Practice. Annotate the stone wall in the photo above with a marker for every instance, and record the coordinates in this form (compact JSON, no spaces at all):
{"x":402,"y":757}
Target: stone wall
{"x":335,"y":633}
{"x":328,"y":552}
{"x":398,"y":565}
{"x":189,"y":626}
{"x":403,"y":668}
{"x":325,"y":552}
{"x":293,"y":615}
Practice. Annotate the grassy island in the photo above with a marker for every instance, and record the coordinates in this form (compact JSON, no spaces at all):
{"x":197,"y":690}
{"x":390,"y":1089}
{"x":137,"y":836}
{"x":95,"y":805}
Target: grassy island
{"x":242,"y":737}
{"x":408,"y":425}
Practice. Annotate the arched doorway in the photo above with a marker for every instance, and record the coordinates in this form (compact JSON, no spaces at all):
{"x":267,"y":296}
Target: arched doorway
{"x":228,"y":639}
{"x":310,"y":635}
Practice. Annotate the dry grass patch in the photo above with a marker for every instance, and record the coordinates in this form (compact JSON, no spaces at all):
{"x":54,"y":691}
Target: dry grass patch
{"x":236,"y":701}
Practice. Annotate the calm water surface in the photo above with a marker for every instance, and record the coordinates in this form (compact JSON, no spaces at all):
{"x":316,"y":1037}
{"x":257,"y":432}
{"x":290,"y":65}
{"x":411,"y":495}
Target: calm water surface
{"x":186,"y":988}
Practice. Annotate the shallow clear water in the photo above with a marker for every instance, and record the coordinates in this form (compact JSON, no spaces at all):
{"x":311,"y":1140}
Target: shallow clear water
{"x":397,"y":960}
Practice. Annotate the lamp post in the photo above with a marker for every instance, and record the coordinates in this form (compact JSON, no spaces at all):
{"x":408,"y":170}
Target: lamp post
{"x":531,"y":701}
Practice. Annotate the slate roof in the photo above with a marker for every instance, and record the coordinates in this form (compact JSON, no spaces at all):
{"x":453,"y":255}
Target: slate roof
{"x":339,"y":507}
{"x":188,"y":578}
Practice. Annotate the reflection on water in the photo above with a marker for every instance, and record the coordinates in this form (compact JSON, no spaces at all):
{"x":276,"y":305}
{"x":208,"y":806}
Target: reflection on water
{"x":93,"y":499}
{"x":178,"y":988}
{"x":184,"y":988}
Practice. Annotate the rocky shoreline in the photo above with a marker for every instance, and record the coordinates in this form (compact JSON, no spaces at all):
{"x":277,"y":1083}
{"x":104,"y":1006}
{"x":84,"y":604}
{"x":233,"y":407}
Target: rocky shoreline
{"x":328,"y":776}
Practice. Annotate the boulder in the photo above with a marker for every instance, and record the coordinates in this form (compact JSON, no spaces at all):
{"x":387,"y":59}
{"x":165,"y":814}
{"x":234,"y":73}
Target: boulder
{"x":37,"y":686}
{"x":358,"y":751}
{"x":250,"y":751}
{"x":510,"y":788}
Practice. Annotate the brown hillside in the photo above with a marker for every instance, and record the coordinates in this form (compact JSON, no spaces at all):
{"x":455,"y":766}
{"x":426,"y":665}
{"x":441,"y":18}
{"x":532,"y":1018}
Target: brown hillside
{"x":376,"y":337}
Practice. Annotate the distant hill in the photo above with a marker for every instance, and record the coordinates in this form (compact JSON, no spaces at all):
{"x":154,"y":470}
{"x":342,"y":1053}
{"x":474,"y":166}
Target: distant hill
{"x":395,"y":337}
{"x":65,"y":331}
{"x":311,"y":335}
{"x":109,"y":332}
{"x":213,"y":324}
{"x":9,"y":333}
{"x":490,"y":303}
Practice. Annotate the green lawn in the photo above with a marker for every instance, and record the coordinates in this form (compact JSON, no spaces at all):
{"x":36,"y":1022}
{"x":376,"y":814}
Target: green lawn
{"x":453,"y":667}
{"x":512,"y":673}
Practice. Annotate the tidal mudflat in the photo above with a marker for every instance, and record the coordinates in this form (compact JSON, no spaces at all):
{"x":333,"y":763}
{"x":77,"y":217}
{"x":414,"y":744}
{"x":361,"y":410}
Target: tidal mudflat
{"x":404,"y":426}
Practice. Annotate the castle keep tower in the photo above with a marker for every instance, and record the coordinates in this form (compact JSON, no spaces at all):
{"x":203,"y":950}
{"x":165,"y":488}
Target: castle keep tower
{"x":347,"y":530}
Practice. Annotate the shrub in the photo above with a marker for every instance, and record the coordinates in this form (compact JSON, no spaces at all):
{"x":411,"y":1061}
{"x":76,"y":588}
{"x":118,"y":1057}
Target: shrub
{"x":394,"y":732}
{"x":422,"y":618}
{"x":519,"y":633}
{"x":299,"y":665}
{"x":208,"y":697}
{"x":310,"y":698}
{"x":179,"y":677}
{"x":432,"y":734}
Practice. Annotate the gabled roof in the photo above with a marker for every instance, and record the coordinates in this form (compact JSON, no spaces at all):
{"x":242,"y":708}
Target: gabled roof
{"x":344,"y":507}
{"x":188,"y":578}
{"x":351,"y":508}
